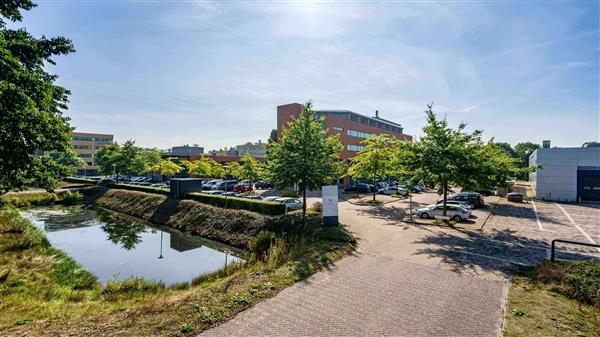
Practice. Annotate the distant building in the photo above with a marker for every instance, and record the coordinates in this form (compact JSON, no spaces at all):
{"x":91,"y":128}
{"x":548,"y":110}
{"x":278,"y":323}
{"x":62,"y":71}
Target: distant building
{"x":258,"y":149}
{"x":187,"y":150}
{"x":568,"y":174}
{"x":86,"y":145}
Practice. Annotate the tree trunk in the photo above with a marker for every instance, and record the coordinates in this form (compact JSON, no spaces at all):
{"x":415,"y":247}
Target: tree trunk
{"x":411,"y":205}
{"x":374,"y":185}
{"x":445,"y":190}
{"x":304,"y":204}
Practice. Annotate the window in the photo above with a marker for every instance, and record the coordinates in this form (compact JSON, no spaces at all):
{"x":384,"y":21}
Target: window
{"x":81,"y":147}
{"x":358,"y":134}
{"x":92,"y":139}
{"x":356,"y":148}
{"x":337,"y":128}
{"x":85,"y":155}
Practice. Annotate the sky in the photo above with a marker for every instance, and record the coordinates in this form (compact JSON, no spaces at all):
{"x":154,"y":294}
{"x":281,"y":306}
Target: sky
{"x":213,"y":72}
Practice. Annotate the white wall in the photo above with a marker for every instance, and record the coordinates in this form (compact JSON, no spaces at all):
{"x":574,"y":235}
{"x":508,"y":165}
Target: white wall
{"x":558,"y":179}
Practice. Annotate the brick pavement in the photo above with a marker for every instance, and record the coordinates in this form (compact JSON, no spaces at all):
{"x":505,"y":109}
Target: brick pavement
{"x":396,"y":284}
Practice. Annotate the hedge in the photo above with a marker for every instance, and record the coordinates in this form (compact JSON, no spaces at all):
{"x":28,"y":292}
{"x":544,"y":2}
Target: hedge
{"x":147,"y":189}
{"x":258,"y":206}
{"x":80,"y":180}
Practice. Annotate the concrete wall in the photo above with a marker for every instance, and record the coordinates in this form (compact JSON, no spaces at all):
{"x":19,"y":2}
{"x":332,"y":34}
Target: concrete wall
{"x":558,"y":179}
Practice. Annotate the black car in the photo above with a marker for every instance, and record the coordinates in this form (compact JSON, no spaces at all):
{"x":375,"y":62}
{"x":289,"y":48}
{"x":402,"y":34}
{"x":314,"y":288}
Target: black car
{"x":225,"y":185}
{"x":263,"y":185}
{"x":360,"y":188}
{"x":471,"y":198}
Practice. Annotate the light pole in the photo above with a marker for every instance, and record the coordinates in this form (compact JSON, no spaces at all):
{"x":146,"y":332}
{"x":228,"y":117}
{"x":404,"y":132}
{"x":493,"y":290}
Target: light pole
{"x":114,"y":165}
{"x":161,"y":240}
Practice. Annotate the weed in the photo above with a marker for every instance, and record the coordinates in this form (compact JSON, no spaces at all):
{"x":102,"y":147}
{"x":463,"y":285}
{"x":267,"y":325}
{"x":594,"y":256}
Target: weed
{"x":259,"y":245}
{"x":517,"y":313}
{"x":22,"y":321}
{"x":129,"y":288}
{"x":180,"y":286}
{"x":187,"y":327}
{"x":208,"y":316}
{"x":237,"y":299}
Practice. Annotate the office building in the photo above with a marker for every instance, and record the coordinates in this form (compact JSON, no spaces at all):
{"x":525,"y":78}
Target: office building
{"x":86,"y":145}
{"x":352,"y":127}
{"x":567,"y":174}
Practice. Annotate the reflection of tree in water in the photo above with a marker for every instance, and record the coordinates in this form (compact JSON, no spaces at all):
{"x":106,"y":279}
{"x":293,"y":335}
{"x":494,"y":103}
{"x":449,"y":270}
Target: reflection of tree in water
{"x":122,"y":231}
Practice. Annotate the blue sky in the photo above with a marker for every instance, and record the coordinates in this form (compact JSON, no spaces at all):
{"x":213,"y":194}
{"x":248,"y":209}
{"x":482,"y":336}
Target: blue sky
{"x":212,"y":73}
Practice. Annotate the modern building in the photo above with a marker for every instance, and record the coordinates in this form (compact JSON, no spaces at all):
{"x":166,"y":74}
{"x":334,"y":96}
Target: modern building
{"x":567,"y":174}
{"x":258,"y":149}
{"x":352,"y":127}
{"x":86,"y":145}
{"x":187,"y":150}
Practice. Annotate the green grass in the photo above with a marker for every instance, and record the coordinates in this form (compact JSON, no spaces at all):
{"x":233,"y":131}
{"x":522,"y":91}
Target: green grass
{"x":555,"y":299}
{"x":40,"y":198}
{"x":45,"y":293}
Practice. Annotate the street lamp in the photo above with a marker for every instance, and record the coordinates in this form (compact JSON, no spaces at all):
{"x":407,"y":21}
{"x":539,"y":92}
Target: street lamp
{"x":161,"y":240}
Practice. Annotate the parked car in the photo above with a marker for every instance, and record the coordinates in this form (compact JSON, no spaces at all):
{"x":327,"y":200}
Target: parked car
{"x":225,"y":185}
{"x":393,"y":190}
{"x":231,"y":194}
{"x":290,"y":203}
{"x":242,"y":188}
{"x":144,"y":183}
{"x":105,"y":181}
{"x":209,"y":184}
{"x":272,"y":198}
{"x":360,"y":188}
{"x":160,"y":185}
{"x":252,"y":196}
{"x":515,"y":197}
{"x":455,"y":212}
{"x":472,"y":198}
{"x":217,"y":192}
{"x":263,"y":185}
{"x":457,"y":202}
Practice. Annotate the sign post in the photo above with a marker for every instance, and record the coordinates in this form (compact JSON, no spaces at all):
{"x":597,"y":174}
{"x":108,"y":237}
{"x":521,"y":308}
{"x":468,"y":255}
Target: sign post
{"x":330,"y":205}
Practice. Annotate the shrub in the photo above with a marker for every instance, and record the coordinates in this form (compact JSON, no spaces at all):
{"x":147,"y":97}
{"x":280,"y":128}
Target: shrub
{"x":337,"y":234}
{"x":318,"y":207}
{"x":258,"y":206}
{"x":260,"y":244}
{"x":287,"y":193}
{"x":148,"y":189}
{"x":579,"y":280}
{"x":40,"y":199}
{"x":293,"y":224}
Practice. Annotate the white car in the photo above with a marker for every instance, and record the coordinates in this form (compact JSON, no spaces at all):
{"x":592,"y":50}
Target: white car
{"x":393,"y":190}
{"x":457,"y":203}
{"x":272,"y":198}
{"x":290,"y":203}
{"x":455,"y":212}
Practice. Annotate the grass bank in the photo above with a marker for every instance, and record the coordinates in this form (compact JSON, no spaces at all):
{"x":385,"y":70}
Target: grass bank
{"x":39,"y":198}
{"x":45,"y":293}
{"x":555,"y":299}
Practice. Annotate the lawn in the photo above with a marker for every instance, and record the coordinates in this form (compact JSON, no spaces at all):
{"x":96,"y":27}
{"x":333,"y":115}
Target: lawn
{"x":555,"y":299}
{"x":45,"y":293}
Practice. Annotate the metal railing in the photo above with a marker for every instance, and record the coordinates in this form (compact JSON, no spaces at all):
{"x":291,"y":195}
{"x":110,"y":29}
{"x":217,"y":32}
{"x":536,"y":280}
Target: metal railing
{"x":570,"y":242}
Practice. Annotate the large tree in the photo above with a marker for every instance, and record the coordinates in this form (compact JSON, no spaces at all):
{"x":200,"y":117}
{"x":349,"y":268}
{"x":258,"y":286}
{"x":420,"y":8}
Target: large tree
{"x":250,"y":169}
{"x":165,"y":167}
{"x":31,"y":104}
{"x":374,"y":161}
{"x":304,"y":154}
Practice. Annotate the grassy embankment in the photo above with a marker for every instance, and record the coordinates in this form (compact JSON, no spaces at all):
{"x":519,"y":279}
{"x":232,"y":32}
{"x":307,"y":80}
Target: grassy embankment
{"x":555,"y":299}
{"x":45,"y":293}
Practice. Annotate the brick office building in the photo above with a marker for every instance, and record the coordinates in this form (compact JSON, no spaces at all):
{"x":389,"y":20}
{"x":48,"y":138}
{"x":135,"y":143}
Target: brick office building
{"x":353,"y":128}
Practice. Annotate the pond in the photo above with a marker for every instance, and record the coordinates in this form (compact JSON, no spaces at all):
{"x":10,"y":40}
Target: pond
{"x":113,"y":246}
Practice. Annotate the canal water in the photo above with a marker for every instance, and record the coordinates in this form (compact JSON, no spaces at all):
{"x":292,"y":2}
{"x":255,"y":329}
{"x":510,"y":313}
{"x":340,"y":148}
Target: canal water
{"x":113,"y":246}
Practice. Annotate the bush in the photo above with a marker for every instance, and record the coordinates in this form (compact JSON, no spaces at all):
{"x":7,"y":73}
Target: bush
{"x":337,"y":234}
{"x":258,"y":206}
{"x":260,"y":244}
{"x":287,"y":193}
{"x":79,"y":180}
{"x":579,"y":280}
{"x":293,"y":224}
{"x":40,"y":199}
{"x":318,"y":207}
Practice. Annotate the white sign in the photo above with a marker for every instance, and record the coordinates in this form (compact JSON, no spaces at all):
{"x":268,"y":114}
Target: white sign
{"x":330,"y":201}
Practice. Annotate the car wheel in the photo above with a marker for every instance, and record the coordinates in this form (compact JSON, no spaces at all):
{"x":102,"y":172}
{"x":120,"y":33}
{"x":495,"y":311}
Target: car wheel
{"x":457,"y":218}
{"x":424,"y":215}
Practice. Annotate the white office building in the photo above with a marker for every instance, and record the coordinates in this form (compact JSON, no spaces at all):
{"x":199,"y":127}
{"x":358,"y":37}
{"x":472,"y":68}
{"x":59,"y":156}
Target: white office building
{"x":568,"y":174}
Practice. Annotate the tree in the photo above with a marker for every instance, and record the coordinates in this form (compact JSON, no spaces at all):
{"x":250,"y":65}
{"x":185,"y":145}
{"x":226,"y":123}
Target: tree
{"x":446,"y":156}
{"x":130,"y":158}
{"x":206,"y":167}
{"x":32,"y":106}
{"x":304,"y":155}
{"x":147,"y":158}
{"x":69,"y":160}
{"x":250,"y":169}
{"x":108,"y":160}
{"x":165,"y":167}
{"x":373,"y":162}
{"x":233,"y":170}
{"x":53,"y":166}
{"x":406,"y":167}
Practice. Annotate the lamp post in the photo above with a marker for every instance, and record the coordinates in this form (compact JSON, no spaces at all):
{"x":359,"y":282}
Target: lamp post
{"x":114,"y":165}
{"x":161,"y":244}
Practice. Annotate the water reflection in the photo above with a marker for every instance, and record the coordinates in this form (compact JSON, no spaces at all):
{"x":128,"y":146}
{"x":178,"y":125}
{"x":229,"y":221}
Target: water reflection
{"x":113,"y":245}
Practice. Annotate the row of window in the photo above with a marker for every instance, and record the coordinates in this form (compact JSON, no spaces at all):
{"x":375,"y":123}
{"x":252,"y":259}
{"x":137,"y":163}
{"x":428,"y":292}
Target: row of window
{"x":356,"y":148}
{"x":358,"y":134}
{"x":85,"y":155}
{"x":87,"y":147}
{"x":92,"y":139}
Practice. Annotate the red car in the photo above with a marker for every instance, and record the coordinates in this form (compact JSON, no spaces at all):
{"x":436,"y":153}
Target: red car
{"x":242,"y":188}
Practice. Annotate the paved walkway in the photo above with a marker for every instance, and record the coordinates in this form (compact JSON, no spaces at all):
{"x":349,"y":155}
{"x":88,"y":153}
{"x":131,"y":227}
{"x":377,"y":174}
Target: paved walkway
{"x":395,"y":285}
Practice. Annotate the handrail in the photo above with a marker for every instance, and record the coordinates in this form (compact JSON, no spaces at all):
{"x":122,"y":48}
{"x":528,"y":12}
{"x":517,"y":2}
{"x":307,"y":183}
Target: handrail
{"x":571,"y":242}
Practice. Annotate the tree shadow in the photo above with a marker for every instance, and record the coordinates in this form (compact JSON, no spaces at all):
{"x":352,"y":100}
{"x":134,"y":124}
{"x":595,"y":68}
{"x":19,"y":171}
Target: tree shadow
{"x":502,"y":252}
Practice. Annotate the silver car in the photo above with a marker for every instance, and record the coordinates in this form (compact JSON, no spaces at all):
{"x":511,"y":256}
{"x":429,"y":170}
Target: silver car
{"x":454,"y":212}
{"x":290,"y":203}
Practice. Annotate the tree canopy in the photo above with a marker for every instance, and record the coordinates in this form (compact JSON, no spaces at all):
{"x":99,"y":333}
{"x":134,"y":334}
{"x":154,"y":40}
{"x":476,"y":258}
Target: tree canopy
{"x":32,"y":104}
{"x":374,"y":162}
{"x":304,"y":155}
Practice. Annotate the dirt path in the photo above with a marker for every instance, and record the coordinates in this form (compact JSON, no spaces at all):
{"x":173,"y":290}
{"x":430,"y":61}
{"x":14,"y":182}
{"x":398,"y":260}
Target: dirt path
{"x":404,"y":280}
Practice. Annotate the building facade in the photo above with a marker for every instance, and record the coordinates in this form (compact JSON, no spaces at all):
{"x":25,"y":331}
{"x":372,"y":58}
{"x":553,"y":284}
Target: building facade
{"x":352,"y":127}
{"x":258,"y":149}
{"x":187,"y":150}
{"x":86,"y":145}
{"x":567,"y":174}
